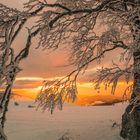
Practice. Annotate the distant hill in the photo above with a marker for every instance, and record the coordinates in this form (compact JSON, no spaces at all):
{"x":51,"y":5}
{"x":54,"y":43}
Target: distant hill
{"x":97,"y":100}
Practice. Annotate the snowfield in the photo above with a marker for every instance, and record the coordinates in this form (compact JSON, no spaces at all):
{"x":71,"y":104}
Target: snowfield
{"x":75,"y":122}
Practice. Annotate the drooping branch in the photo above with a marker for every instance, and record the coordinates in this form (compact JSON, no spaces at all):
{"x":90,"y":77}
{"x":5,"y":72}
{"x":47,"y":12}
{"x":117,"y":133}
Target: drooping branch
{"x":54,"y":93}
{"x":109,"y":76}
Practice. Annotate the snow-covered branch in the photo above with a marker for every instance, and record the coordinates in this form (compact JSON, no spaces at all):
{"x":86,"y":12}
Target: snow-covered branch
{"x":111,"y":76}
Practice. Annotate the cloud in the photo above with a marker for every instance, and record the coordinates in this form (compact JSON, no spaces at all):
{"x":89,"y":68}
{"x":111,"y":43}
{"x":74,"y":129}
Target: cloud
{"x":30,"y":82}
{"x":20,"y":84}
{"x":29,"y":78}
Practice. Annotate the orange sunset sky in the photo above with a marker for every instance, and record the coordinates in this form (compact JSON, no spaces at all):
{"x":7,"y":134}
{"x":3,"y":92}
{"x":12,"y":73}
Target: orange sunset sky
{"x":41,"y":65}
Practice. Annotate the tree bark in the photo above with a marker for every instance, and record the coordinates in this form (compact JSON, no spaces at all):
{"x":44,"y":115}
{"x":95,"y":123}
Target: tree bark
{"x":131,"y":117}
{"x":4,"y":102}
{"x":2,"y":135}
{"x":3,"y":109}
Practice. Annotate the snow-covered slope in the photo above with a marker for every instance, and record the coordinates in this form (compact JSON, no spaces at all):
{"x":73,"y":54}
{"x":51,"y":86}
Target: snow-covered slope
{"x":79,"y":123}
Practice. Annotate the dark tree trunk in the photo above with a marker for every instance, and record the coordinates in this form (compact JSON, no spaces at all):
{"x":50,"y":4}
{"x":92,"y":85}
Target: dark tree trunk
{"x":131,"y":117}
{"x":2,"y":135}
{"x":4,"y":102}
{"x":131,"y":123}
{"x":3,"y":109}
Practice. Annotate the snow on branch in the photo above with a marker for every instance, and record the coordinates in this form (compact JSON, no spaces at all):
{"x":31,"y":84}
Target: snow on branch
{"x":9,"y":19}
{"x":55,"y":93}
{"x":111,"y":76}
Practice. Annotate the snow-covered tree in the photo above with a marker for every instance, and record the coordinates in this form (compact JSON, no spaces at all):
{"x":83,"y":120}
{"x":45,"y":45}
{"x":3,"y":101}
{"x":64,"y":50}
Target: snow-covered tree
{"x":77,"y":22}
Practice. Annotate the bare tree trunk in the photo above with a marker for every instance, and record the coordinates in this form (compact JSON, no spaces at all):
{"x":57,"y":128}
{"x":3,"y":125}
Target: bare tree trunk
{"x":2,"y":135}
{"x":4,"y":108}
{"x":131,"y":117}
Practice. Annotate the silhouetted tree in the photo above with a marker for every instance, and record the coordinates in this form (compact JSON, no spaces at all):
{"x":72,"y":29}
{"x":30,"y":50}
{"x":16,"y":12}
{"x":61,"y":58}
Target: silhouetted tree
{"x":75,"y":22}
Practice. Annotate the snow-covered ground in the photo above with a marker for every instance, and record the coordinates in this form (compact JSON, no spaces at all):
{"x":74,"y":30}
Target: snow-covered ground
{"x":79,"y":123}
